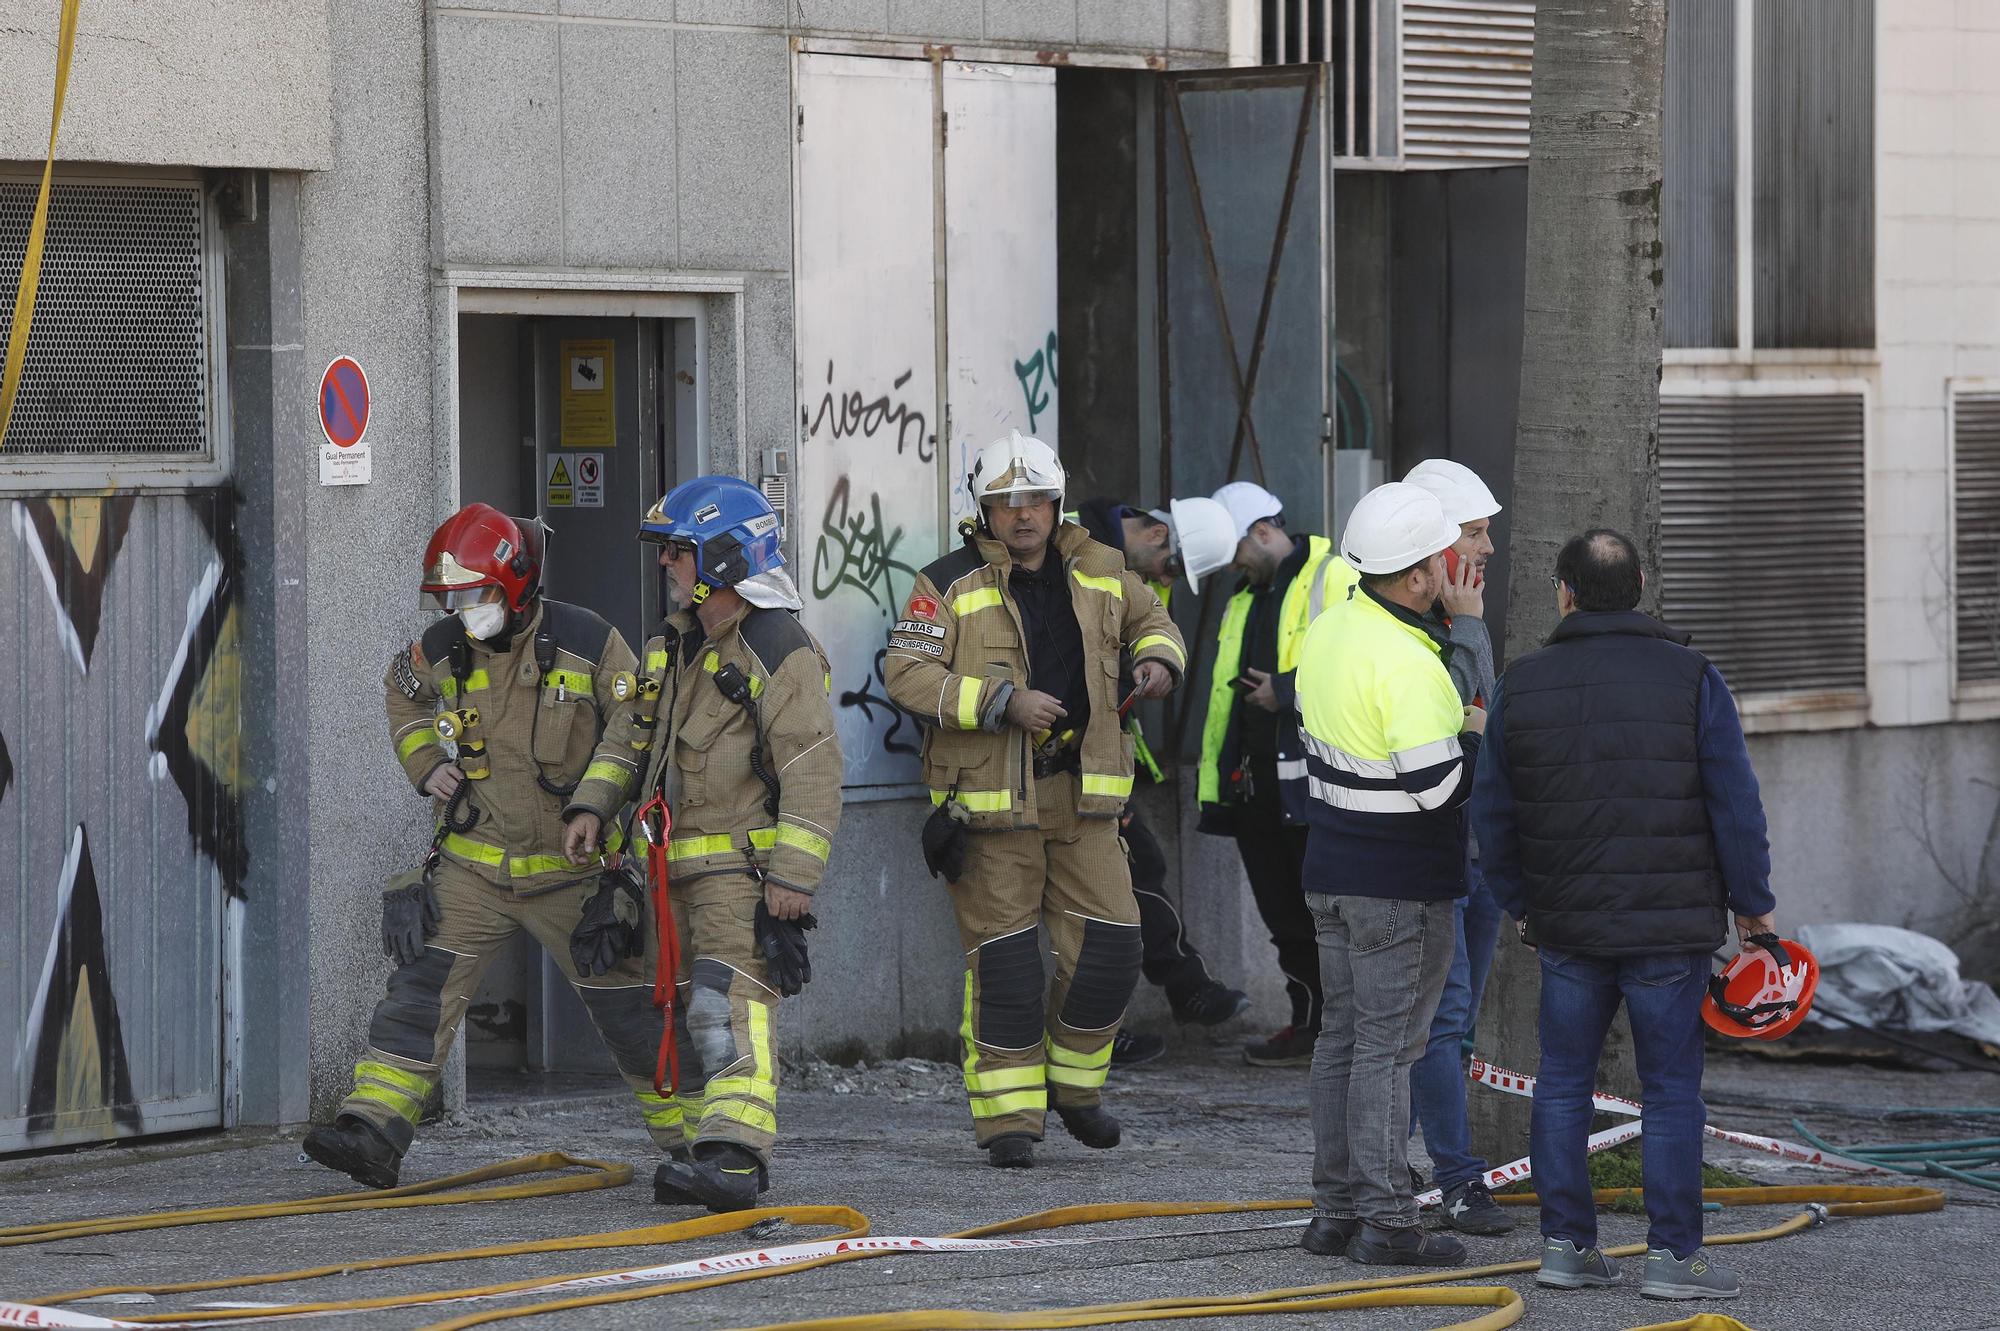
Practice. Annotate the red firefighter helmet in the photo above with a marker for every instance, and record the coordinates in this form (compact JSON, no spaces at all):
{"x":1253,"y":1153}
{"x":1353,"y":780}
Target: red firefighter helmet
{"x":1762,"y":994}
{"x":480,"y":547}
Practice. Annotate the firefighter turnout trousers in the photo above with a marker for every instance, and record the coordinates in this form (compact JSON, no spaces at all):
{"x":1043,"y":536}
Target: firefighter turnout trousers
{"x":415,"y":1022}
{"x":726,"y":1016}
{"x":1069,"y":874}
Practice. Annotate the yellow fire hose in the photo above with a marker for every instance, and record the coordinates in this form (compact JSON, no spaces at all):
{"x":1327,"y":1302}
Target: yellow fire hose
{"x":38,"y":226}
{"x":1503,"y":1307}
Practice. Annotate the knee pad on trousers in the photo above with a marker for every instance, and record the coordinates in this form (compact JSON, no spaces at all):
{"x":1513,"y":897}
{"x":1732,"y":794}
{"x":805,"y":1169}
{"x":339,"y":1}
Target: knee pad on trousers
{"x":406,"y":1020}
{"x":1107,"y":969}
{"x":629,"y":1023}
{"x":708,"y":1016}
{"x":1010,"y":991}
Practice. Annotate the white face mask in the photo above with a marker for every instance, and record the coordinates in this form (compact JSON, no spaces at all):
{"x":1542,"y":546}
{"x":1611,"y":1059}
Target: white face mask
{"x":484,"y":621}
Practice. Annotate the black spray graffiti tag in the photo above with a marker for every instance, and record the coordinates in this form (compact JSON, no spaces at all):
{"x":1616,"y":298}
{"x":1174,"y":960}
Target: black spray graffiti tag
{"x":1031,"y":372}
{"x":857,"y":550}
{"x":849,"y":413}
{"x":868,"y":700}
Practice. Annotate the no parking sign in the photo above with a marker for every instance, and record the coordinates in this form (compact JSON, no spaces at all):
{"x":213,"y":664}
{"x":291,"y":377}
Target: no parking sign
{"x":344,"y":404}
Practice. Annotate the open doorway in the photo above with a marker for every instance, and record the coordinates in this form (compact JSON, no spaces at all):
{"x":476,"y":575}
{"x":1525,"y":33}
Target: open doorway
{"x":581,"y":421}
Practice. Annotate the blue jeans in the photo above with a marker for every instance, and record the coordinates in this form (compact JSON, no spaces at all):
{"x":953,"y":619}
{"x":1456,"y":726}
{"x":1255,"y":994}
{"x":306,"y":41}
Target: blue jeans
{"x":1437,"y":1081}
{"x":1662,"y":995}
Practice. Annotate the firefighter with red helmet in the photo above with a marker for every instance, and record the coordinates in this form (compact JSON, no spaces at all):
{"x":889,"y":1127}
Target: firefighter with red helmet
{"x":494,"y":713}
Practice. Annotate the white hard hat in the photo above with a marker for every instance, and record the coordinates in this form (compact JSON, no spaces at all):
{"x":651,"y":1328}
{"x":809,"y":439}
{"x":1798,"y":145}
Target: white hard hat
{"x":1248,"y":503}
{"x":1395,"y":526}
{"x":1016,"y":471}
{"x":1457,"y":486}
{"x":1204,"y":535}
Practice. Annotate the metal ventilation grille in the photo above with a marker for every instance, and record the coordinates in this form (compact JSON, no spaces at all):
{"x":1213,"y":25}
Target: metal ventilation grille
{"x":1467,"y":71}
{"x":117,"y":358}
{"x":1975,"y":500}
{"x":1762,"y":537}
{"x":1341,"y":34}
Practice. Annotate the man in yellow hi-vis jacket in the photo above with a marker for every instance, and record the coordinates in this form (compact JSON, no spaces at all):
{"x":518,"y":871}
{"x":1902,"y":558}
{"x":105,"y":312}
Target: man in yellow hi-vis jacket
{"x":1008,"y":650}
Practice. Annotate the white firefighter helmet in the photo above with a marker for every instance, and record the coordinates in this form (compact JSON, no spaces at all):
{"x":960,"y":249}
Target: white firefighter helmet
{"x":1016,"y":471}
{"x":1204,"y":536}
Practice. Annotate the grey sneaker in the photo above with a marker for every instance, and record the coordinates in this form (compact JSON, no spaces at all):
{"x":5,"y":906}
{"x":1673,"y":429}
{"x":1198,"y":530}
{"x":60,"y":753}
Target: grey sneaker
{"x":1695,"y":1278}
{"x":1566,"y":1266}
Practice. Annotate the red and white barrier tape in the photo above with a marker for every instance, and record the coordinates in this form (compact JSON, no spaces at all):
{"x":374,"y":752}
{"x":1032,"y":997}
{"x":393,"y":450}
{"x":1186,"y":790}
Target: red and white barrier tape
{"x":1515,"y":1083}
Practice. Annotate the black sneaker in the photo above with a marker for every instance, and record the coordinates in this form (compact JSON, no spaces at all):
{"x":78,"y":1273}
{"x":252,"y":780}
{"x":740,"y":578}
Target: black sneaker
{"x":722,"y":1177}
{"x":1469,"y":1208}
{"x":1291,"y":1047}
{"x":1016,"y":1150}
{"x":1328,"y":1237}
{"x":1404,"y":1247}
{"x":352,"y":1146}
{"x":1210,"y":1004}
{"x":1131,"y":1048}
{"x":1090,"y":1125}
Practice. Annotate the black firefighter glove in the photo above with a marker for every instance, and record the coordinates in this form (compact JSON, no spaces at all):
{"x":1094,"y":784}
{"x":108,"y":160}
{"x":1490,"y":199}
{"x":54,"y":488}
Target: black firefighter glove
{"x":783,"y":944}
{"x":944,"y":839}
{"x":611,"y":927}
{"x":409,"y":916}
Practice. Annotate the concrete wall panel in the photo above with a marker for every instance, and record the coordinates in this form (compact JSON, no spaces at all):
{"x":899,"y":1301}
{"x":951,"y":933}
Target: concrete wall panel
{"x":938,"y":20}
{"x":734,"y":97}
{"x":499,"y":141}
{"x":182,"y":82}
{"x":1050,"y":21}
{"x":620,"y":195}
{"x":1122,"y":23}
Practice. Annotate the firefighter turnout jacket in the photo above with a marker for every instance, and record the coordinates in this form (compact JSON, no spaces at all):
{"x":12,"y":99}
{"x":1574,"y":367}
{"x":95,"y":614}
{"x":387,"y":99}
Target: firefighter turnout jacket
{"x":703,"y":762}
{"x":526,"y":729}
{"x":959,"y":652}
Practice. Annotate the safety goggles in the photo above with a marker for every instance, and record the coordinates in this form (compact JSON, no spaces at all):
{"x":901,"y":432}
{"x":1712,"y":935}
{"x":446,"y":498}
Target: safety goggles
{"x":453,"y":599}
{"x":1022,"y":498}
{"x":679,"y":548}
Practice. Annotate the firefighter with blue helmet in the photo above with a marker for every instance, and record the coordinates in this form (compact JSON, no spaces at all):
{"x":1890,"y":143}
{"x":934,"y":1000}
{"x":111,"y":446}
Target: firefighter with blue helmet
{"x":729,"y":729}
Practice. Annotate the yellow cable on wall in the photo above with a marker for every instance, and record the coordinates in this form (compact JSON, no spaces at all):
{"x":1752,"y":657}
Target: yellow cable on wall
{"x":31,"y":262}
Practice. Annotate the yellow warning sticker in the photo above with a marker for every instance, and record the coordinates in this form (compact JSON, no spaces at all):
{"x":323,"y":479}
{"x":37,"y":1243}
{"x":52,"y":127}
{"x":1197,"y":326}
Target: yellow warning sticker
{"x":561,"y":488}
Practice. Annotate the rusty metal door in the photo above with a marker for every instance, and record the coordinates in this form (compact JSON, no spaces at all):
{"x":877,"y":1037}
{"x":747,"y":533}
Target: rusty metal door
{"x":1245,"y":301}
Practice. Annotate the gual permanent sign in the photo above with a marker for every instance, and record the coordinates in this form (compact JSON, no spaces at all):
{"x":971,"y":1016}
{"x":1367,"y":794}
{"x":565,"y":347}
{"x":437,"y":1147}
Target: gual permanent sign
{"x":344,"y":404}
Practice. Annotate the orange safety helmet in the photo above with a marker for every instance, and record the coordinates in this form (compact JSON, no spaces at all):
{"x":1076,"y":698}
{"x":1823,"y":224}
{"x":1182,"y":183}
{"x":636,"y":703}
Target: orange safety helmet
{"x":480,"y":547}
{"x":1763,"y":994}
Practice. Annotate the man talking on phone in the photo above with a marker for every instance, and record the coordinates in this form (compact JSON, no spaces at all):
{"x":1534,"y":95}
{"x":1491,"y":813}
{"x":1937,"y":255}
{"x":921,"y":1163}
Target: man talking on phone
{"x":1287,"y":581}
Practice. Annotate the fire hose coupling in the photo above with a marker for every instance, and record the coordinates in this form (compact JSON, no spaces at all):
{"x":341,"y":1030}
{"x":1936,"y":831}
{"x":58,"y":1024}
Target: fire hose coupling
{"x":1819,"y":1213}
{"x":461,"y":727}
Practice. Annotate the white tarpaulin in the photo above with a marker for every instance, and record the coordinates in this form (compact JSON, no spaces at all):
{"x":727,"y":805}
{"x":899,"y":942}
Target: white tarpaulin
{"x":1897,"y":980}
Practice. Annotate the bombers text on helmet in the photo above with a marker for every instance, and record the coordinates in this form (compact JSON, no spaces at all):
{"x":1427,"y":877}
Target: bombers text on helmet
{"x":1204,"y":536}
{"x":1394,"y":527}
{"x":480,"y":547}
{"x":1458,"y":487}
{"x":731,"y":527}
{"x":1016,"y":471}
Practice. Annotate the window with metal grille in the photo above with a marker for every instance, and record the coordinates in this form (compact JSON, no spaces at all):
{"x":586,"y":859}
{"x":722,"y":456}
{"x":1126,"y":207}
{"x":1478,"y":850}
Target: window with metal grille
{"x":1346,"y":36}
{"x":1467,"y":73}
{"x":1762,"y":537}
{"x":119,"y":354}
{"x":1975,"y":519}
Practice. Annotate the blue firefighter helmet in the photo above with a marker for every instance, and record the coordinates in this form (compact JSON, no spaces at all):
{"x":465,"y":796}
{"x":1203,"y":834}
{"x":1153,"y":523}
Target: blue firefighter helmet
{"x":732,"y":527}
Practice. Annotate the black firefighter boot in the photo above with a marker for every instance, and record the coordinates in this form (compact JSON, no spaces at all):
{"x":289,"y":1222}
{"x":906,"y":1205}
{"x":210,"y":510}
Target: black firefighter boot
{"x":722,"y":1176}
{"x":1089,"y":1124}
{"x":353,"y":1147}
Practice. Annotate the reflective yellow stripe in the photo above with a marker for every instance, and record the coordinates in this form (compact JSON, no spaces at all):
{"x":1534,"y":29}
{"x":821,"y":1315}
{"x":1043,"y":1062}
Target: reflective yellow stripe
{"x":476,"y":851}
{"x":751,"y":1116}
{"x":1083,"y":1077}
{"x":1152,"y":640}
{"x":986,"y":598}
{"x":799,"y":839}
{"x":747,"y":1088}
{"x":713,"y":663}
{"x":1016,"y":1102}
{"x":656,"y":661}
{"x":573,"y":681}
{"x":720,"y":843}
{"x":478,"y":679}
{"x":606,"y":770}
{"x":980,"y":801}
{"x":395,"y":1101}
{"x":1098,"y":1058}
{"x":531,"y":866}
{"x":415,"y":1083}
{"x":968,"y":703}
{"x":658,"y":1111}
{"x":413,"y":741}
{"x":1117,"y":787}
{"x":1004,"y":1079}
{"x":1109,"y":586}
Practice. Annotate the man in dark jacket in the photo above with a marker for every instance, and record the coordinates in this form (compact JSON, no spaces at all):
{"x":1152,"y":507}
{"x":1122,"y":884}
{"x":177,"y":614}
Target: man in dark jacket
{"x":1170,"y":958}
{"x":1619,"y":822}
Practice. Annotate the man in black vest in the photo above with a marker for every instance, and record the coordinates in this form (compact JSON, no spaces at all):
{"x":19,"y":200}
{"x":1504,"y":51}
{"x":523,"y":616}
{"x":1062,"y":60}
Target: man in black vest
{"x":1620,"y":825}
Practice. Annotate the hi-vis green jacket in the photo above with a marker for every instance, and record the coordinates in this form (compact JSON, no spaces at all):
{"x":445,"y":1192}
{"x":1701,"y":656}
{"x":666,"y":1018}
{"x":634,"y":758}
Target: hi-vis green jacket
{"x":958,"y":653}
{"x":721,"y":821}
{"x":532,"y":726}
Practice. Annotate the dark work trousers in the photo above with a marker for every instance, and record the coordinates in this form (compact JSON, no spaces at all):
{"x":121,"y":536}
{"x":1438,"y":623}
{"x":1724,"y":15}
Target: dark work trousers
{"x":1274,"y":857}
{"x":1170,"y":960}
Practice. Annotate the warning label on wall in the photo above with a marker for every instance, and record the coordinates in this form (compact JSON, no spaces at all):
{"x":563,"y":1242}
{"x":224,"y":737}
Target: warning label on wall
{"x":574,"y":480}
{"x":589,"y":414}
{"x":590,"y":480}
{"x":561,"y":486}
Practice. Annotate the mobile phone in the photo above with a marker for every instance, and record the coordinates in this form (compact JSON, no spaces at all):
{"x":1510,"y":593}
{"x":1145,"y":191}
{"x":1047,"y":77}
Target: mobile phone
{"x":1243,"y":684}
{"x":1451,"y":568}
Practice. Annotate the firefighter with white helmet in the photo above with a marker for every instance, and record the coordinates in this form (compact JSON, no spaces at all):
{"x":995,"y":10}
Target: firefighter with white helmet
{"x":1008,"y":650}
